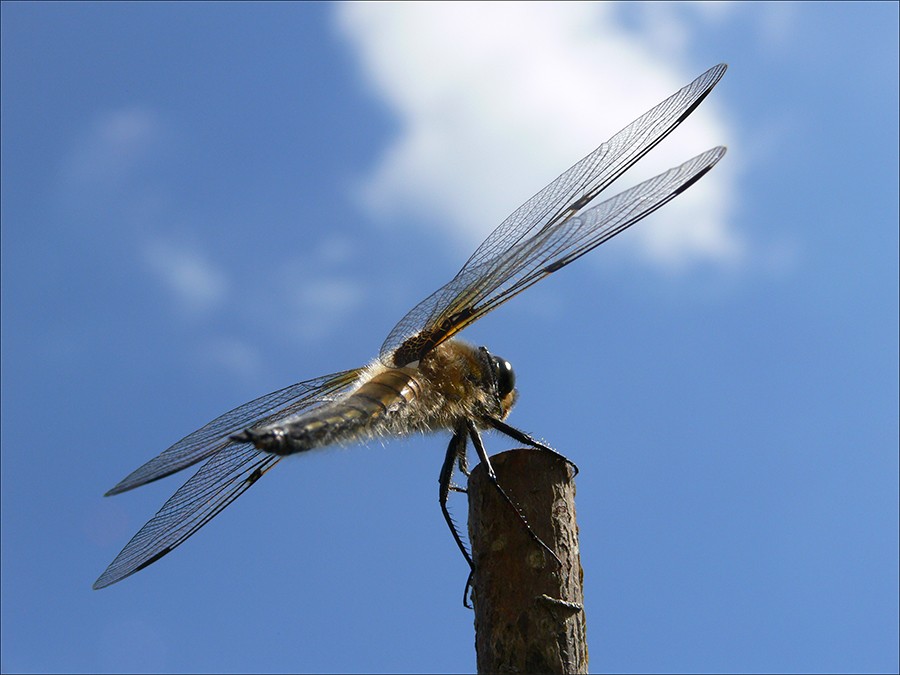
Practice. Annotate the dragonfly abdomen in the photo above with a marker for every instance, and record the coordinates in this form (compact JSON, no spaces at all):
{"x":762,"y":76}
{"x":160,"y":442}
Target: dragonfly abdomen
{"x":361,"y":413}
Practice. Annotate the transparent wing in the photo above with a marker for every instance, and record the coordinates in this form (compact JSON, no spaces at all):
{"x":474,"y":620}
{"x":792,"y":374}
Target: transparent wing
{"x":231,"y":470}
{"x":541,"y":233}
{"x":214,"y":437}
{"x":219,"y":482}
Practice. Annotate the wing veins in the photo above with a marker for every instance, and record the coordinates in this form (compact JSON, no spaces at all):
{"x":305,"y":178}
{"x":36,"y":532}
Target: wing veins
{"x":596,"y":225}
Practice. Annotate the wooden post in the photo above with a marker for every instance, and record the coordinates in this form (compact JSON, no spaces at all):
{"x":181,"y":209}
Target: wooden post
{"x":529,"y":610}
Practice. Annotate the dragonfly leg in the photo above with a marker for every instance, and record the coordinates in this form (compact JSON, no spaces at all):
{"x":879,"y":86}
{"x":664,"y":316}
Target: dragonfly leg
{"x":457,"y":446}
{"x":463,"y":462}
{"x":456,"y":452}
{"x":522,"y":437}
{"x":483,"y":456}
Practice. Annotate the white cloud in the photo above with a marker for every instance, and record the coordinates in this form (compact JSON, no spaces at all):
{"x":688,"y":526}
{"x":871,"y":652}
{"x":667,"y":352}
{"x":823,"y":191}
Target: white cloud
{"x":495,"y":100}
{"x":197,"y":284}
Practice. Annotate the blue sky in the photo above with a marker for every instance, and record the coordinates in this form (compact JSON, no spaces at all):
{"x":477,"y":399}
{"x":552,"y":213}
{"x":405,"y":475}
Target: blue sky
{"x":202,"y":203}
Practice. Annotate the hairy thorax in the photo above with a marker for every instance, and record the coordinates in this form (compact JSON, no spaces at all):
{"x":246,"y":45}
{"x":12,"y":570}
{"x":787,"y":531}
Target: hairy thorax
{"x":451,"y":382}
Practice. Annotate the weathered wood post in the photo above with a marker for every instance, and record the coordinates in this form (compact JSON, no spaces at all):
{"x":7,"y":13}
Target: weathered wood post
{"x":529,"y":610}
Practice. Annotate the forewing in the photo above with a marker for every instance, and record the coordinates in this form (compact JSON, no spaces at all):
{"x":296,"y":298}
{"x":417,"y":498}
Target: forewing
{"x":214,"y":437}
{"x":535,"y":228}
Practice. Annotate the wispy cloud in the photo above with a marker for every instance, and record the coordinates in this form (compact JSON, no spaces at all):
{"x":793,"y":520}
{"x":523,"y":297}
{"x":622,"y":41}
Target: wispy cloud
{"x":194,"y":281}
{"x":112,"y":147}
{"x":776,"y":25}
{"x":495,"y":100}
{"x":233,"y":355}
{"x":322,"y":304}
{"x":311,"y":295}
{"x":106,"y":180}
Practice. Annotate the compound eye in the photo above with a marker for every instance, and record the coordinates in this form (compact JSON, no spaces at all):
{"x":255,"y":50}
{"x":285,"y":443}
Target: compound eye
{"x":506,"y":378}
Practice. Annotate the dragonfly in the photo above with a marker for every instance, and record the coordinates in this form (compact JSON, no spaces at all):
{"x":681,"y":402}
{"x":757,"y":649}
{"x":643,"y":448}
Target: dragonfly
{"x":424,"y":379}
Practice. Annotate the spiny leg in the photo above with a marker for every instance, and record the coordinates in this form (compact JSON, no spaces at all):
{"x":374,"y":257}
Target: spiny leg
{"x":483,"y":456}
{"x":455,"y":449}
{"x":522,"y":437}
{"x":456,"y":452}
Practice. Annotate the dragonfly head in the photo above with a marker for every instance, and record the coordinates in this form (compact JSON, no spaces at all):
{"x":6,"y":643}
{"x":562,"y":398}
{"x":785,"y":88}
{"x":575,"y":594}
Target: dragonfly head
{"x":503,"y":380}
{"x":504,"y":376}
